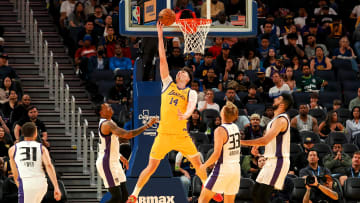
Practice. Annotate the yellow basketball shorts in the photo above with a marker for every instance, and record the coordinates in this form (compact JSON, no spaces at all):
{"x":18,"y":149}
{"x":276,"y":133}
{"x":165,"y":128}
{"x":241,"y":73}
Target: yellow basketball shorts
{"x":164,"y":143}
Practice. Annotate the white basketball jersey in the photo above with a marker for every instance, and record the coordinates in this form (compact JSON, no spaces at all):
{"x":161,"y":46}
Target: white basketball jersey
{"x":279,"y":147}
{"x":109,"y":144}
{"x":231,"y":149}
{"x":28,"y":159}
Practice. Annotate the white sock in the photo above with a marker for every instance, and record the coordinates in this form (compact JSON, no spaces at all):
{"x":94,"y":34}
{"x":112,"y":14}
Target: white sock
{"x":136,"y":191}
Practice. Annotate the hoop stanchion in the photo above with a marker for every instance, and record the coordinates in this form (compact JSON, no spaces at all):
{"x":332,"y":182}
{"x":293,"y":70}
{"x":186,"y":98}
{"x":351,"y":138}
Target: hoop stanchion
{"x":195,"y":31}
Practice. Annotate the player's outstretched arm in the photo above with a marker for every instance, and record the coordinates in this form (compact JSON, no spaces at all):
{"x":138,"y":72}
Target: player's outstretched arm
{"x":164,"y":68}
{"x":112,"y":127}
{"x":50,"y":170}
{"x":219,"y":140}
{"x":279,"y":125}
{"x":13,"y":165}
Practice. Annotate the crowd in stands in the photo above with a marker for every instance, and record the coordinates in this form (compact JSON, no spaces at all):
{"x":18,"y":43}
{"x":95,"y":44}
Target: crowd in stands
{"x":310,"y":49}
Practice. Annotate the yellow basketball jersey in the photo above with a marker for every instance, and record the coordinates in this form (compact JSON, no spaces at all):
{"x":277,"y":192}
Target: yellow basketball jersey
{"x":173,"y":99}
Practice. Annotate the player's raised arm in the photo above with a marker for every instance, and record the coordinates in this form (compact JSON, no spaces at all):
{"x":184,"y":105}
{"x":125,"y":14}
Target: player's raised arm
{"x":164,"y":68}
{"x":112,"y":127}
{"x":51,"y":172}
{"x":13,"y":165}
{"x":278,"y":126}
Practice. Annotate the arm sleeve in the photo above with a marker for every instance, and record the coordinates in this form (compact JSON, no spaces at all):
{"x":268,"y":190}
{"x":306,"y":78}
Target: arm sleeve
{"x":166,"y":82}
{"x":178,"y":159}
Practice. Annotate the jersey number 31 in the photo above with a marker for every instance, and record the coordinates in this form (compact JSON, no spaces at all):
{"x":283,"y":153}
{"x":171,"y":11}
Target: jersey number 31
{"x":29,"y":152}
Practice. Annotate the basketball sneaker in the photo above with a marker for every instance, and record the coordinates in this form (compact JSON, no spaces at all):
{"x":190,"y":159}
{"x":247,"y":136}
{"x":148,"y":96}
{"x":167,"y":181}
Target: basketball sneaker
{"x":217,"y":197}
{"x":131,"y":199}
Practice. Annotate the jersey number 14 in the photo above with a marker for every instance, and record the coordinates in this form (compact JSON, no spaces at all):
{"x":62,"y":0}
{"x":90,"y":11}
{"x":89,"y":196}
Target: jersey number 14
{"x":174,"y":101}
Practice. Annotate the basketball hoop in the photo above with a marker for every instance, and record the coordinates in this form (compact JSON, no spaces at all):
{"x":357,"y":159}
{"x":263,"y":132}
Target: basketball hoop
{"x":195,"y":31}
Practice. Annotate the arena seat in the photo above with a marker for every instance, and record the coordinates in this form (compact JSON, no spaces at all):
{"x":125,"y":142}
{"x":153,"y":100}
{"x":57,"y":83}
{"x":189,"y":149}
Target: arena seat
{"x":333,"y":86}
{"x":255,"y":108}
{"x":200,"y":138}
{"x":209,"y":115}
{"x":294,"y":149}
{"x":341,"y":65}
{"x":347,"y":75}
{"x":104,"y":86}
{"x":204,"y":148}
{"x":292,"y":113}
{"x":299,"y":190}
{"x":352,"y":189}
{"x":301,"y":98}
{"x":322,"y":150}
{"x":336,"y":137}
{"x":327,"y":98}
{"x":327,"y":75}
{"x":348,"y":96}
{"x":350,"y":85}
{"x":251,"y":74}
{"x":196,"y":186}
{"x":318,"y":114}
{"x":313,"y":135}
{"x":245,"y":190}
{"x":350,"y":148}
{"x":343,"y":115}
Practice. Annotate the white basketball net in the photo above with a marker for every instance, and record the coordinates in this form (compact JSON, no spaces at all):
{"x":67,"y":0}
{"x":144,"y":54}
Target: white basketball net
{"x":195,"y":31}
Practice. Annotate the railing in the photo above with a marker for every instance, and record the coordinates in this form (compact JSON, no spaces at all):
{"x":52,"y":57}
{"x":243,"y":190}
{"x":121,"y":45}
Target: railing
{"x":46,"y":63}
{"x":51,"y":76}
{"x":92,"y":159}
{"x":85,"y":148}
{"x":56,"y":87}
{"x":61,"y":98}
{"x":72,"y":122}
{"x":78,"y":143}
{"x":98,"y":184}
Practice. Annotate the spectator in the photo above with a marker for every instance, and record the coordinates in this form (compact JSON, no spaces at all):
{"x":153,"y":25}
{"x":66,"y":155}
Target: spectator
{"x":295,"y":63}
{"x":2,"y":44}
{"x":98,"y":62}
{"x":67,"y":7}
{"x":325,"y":191}
{"x":273,"y":38}
{"x":230,"y":95}
{"x":213,"y":125}
{"x":215,"y":50}
{"x":264,"y":47}
{"x":195,"y":85}
{"x":208,"y":103}
{"x":183,"y":4}
{"x":176,"y":59}
{"x":110,"y":42}
{"x":331,"y":124}
{"x":195,"y":62}
{"x":202,"y":70}
{"x":183,"y":165}
{"x":303,"y":121}
{"x":215,"y":8}
{"x":289,"y":78}
{"x":230,"y":71}
{"x":87,"y":30}
{"x":32,"y":116}
{"x":314,"y":99}
{"x":5,"y":69}
{"x":261,"y":160}
{"x":119,"y":93}
{"x":278,"y":68}
{"x":98,"y":18}
{"x":195,"y":123}
{"x":274,"y":28}
{"x":241,"y":122}
{"x":243,"y":82}
{"x":249,"y":61}
{"x":8,"y":107}
{"x":221,"y":20}
{"x":119,"y":61}
{"x":270,"y":59}
{"x":300,"y":160}
{"x":292,"y":49}
{"x":344,"y":51}
{"x":108,"y":23}
{"x":250,"y":163}
{"x":279,"y":88}
{"x":323,"y":3}
{"x":320,"y":62}
{"x":221,"y":60}
{"x":267,"y":116}
{"x":263,"y":83}
{"x":292,"y":30}
{"x":90,"y":7}
{"x":6,"y":86}
{"x":251,"y":98}
{"x":355,"y":13}
{"x":212,"y":81}
{"x":235,"y":7}
{"x":301,"y":19}
{"x":82,"y":55}
{"x":353,"y":125}
{"x":253,"y":130}
{"x":336,"y":104}
{"x":77,"y":20}
{"x":354,"y":170}
{"x":313,"y":168}
{"x":336,"y":29}
{"x":310,"y":48}
{"x":5,"y":144}
{"x":337,"y":161}
{"x":356,"y":101}
{"x":19,"y":112}
{"x":308,"y":82}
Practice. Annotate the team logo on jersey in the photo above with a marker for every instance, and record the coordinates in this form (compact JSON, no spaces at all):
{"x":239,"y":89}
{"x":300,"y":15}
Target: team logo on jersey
{"x":172,"y":92}
{"x":145,"y":117}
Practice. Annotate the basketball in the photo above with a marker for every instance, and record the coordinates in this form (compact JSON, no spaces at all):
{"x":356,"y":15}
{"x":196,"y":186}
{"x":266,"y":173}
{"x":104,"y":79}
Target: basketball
{"x":167,"y":17}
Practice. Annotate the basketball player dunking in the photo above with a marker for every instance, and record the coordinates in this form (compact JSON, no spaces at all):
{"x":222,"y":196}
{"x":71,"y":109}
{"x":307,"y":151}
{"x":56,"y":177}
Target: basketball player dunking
{"x":107,"y":163}
{"x":177,"y":105}
{"x":225,"y":177}
{"x":277,"y":151}
{"x":27,"y":159}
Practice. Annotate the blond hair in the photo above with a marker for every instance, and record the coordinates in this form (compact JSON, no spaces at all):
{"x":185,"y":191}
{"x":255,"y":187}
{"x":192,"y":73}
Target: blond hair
{"x":230,"y":112}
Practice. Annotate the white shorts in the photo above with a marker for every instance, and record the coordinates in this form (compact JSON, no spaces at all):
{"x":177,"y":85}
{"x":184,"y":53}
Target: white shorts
{"x":224,"y":179}
{"x":274,"y":172}
{"x":110,"y":171}
{"x":32,"y":190}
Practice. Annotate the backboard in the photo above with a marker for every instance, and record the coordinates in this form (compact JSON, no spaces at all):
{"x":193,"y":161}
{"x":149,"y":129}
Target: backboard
{"x":138,"y":18}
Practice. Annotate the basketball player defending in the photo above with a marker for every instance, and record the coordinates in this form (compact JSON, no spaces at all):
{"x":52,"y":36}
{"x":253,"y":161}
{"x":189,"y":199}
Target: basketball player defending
{"x":27,"y":159}
{"x":177,"y":105}
{"x":277,"y":151}
{"x":225,"y":177}
{"x":107,"y":163}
